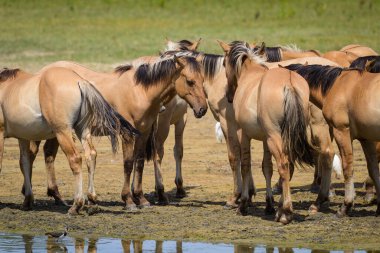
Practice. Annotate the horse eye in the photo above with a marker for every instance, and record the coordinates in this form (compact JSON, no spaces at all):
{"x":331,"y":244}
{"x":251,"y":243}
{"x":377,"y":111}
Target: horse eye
{"x":190,"y":82}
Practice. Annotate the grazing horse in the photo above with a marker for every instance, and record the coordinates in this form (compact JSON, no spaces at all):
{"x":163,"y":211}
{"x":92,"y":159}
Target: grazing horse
{"x":349,"y":104}
{"x":359,"y":50}
{"x":141,"y":90}
{"x":68,"y":104}
{"x":282,"y":126}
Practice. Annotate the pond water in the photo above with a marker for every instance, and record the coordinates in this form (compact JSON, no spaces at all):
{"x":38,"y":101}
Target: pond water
{"x":27,"y":243}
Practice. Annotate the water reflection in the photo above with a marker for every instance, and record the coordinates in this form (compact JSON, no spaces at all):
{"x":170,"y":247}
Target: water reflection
{"x":27,"y":243}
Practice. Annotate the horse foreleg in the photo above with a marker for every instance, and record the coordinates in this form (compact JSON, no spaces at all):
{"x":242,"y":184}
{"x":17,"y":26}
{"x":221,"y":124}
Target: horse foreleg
{"x":245,"y":147}
{"x":267,"y":167}
{"x":126,"y":194}
{"x":161,"y":135}
{"x":90,"y":154}
{"x":67,"y":144}
{"x":178,"y":155}
{"x":139,"y":160}
{"x":1,"y":147}
{"x":233,"y":150}
{"x":26,"y":169}
{"x":285,"y":210}
{"x":344,"y":142}
{"x":373,"y":167}
{"x":50,"y":152}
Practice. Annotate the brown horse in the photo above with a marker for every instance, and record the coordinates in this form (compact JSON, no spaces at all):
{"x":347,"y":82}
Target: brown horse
{"x":347,"y":98}
{"x":55,"y":103}
{"x":160,"y":80}
{"x":282,"y":126}
{"x":359,"y":50}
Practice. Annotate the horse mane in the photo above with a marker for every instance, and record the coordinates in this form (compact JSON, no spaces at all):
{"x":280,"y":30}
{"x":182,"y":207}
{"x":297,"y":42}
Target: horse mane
{"x":180,"y":45}
{"x":6,"y":73}
{"x":373,"y":67}
{"x":318,"y":76}
{"x":212,"y":64}
{"x":273,"y":54}
{"x":151,"y":74}
{"x":123,"y":68}
{"x":239,"y":50}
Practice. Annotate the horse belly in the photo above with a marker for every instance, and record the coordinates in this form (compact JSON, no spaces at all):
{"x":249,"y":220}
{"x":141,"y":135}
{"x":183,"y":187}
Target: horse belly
{"x":23,"y":117}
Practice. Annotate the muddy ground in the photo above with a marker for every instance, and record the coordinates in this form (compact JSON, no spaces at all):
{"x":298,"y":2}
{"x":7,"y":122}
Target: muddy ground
{"x":199,"y":216}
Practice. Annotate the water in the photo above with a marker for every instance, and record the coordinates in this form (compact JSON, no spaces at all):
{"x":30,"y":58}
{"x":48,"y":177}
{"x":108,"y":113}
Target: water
{"x":36,"y":244}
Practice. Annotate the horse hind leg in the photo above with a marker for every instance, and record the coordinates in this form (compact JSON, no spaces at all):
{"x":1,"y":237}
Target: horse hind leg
{"x":26,"y":169}
{"x":67,"y":144}
{"x":267,"y":167}
{"x":128,"y":155}
{"x":50,"y":152}
{"x":32,"y":152}
{"x":373,"y":167}
{"x":90,"y":154}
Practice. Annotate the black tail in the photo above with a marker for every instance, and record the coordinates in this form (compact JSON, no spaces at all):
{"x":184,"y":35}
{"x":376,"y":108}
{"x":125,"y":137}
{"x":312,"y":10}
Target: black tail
{"x":294,"y":129}
{"x":100,"y":117}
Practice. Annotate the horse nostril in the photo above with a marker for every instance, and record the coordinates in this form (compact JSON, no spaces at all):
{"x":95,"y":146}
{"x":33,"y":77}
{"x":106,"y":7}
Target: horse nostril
{"x":202,"y":111}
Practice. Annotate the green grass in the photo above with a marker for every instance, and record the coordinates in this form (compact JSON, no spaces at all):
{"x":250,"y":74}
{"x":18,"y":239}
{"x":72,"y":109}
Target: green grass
{"x":34,"y":33}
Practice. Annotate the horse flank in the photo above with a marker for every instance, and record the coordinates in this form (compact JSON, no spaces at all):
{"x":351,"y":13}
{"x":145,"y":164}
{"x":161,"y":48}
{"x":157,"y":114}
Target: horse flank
{"x":6,"y":74}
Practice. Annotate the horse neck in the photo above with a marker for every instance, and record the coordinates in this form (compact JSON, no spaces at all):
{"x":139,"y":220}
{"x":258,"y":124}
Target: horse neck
{"x":250,"y":67}
{"x":316,"y":97}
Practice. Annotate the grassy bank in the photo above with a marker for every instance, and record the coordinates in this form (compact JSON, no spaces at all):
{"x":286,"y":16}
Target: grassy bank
{"x":34,"y":33}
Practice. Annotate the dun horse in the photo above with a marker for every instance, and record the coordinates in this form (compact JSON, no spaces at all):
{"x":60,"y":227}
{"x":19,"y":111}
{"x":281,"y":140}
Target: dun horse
{"x":141,"y":90}
{"x":281,"y":126}
{"x":348,"y":101}
{"x":54,"y":103}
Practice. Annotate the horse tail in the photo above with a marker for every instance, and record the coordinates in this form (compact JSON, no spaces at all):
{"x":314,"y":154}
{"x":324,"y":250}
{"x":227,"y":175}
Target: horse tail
{"x":294,"y":129}
{"x":150,"y":147}
{"x":98,"y":116}
{"x":219,"y":133}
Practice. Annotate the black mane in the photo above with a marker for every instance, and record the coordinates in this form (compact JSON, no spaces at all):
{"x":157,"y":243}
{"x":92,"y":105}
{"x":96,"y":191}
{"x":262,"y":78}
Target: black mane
{"x":238,"y":48}
{"x":6,"y":73}
{"x":151,"y":74}
{"x":184,"y":44}
{"x":317,"y":76}
{"x":273,"y":54}
{"x":211,"y":65}
{"x":373,"y":67}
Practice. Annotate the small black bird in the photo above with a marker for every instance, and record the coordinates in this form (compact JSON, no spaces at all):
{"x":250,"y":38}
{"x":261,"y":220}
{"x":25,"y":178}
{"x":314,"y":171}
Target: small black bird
{"x":57,"y":235}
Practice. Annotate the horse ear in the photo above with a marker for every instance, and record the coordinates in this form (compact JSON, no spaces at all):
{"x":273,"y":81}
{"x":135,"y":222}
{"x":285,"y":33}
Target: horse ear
{"x":195,"y":45}
{"x":261,"y":50}
{"x":226,"y":48}
{"x":179,"y":61}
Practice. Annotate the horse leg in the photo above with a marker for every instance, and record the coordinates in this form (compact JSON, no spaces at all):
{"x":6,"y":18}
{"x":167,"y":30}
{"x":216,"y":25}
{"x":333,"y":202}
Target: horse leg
{"x":90,"y":154}
{"x":139,"y":160}
{"x":161,"y":135}
{"x":317,"y":174}
{"x":373,"y":167}
{"x":126,"y":196}
{"x":50,"y":152}
{"x":178,"y":155}
{"x":267,"y":167}
{"x":245,"y":147}
{"x":369,"y":195}
{"x":1,"y":147}
{"x":285,"y":210}
{"x":26,"y":169}
{"x":65,"y":140}
{"x":233,"y":150}
{"x":33,"y":150}
{"x":344,"y":142}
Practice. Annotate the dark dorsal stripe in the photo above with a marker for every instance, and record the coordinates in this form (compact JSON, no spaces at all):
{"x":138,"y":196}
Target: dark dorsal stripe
{"x":317,"y":76}
{"x":152,"y":74}
{"x":211,"y":66}
{"x":373,"y":67}
{"x":6,"y":73}
{"x":123,"y":68}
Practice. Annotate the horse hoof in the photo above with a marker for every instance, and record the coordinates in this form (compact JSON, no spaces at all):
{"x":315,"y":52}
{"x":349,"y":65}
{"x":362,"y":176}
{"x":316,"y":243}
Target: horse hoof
{"x":73,"y":211}
{"x":313,"y":209}
{"x":341,"y":214}
{"x":241,"y":211}
{"x":285,"y":219}
{"x":163,"y":201}
{"x":26,"y":207}
{"x":130,"y":208}
{"x":269,"y":210}
{"x":181,"y":193}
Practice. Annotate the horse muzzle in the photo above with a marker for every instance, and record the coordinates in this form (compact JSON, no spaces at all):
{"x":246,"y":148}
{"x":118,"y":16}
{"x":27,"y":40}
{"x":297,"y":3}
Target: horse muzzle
{"x":200,"y":113}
